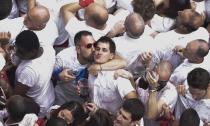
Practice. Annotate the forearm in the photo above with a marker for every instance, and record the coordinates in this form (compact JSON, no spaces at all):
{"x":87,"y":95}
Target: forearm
{"x":69,"y":10}
{"x":31,"y":4}
{"x":114,"y":64}
{"x":152,"y":106}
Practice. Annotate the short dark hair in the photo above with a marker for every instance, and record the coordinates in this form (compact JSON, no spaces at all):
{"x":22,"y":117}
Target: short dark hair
{"x":189,"y":118}
{"x":198,"y":78}
{"x":105,"y":39}
{"x":100,"y":118}
{"x":202,"y":52}
{"x":5,"y":8}
{"x":146,"y":8}
{"x":27,"y":40}
{"x":79,"y":35}
{"x":56,"y":122}
{"x":135,"y":107}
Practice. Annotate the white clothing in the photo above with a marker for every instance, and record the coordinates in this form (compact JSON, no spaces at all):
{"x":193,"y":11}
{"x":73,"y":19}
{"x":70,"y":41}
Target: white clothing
{"x":125,"y":4}
{"x":74,"y":25}
{"x":148,"y":30}
{"x":14,"y":12}
{"x":161,"y":24}
{"x":129,"y":48}
{"x":168,"y":95}
{"x":46,"y":36}
{"x":66,"y":91}
{"x":2,"y":62}
{"x":109,"y":93}
{"x":36,"y":74}
{"x":180,"y":73}
{"x":201,"y":106}
{"x":200,"y":7}
{"x":166,"y":42}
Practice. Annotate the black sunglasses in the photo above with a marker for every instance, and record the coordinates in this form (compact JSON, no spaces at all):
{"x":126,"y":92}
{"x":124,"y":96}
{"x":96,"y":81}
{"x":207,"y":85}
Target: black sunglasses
{"x":90,"y":45}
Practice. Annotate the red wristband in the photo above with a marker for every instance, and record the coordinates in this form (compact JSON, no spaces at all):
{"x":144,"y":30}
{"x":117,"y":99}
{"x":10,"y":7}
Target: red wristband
{"x":85,"y":3}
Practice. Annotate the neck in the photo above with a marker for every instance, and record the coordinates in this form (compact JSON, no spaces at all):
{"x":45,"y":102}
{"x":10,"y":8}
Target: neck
{"x":196,"y":61}
{"x":181,"y":31}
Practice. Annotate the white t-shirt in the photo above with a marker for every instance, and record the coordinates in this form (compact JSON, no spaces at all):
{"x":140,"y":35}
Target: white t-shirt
{"x":166,"y":42}
{"x":168,"y":95}
{"x":74,"y":25}
{"x":108,"y":93}
{"x":161,"y":24}
{"x":2,"y":62}
{"x":202,"y":106}
{"x":180,"y":73}
{"x":36,"y":74}
{"x":14,"y":12}
{"x":129,"y":48}
{"x":46,"y":36}
{"x":125,"y":4}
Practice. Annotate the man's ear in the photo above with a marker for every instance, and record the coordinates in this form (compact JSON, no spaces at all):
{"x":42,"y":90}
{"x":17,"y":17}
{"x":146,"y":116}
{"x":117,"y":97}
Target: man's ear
{"x":77,"y":49}
{"x":111,"y":56}
{"x":135,"y":123}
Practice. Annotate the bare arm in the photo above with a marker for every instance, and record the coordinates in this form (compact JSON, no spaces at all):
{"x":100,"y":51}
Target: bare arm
{"x":130,"y":95}
{"x":67,"y":11}
{"x":31,"y":4}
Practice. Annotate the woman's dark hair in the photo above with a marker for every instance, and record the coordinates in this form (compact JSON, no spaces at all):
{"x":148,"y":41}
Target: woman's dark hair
{"x":56,"y":122}
{"x":76,"y":109}
{"x":100,"y":118}
{"x":189,"y":118}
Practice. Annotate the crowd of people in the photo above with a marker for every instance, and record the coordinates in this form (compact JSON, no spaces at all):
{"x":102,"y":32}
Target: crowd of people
{"x":104,"y":63}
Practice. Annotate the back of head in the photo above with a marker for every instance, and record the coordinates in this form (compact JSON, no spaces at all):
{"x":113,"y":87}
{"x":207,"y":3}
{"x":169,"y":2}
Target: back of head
{"x":131,"y":106}
{"x":189,"y":118}
{"x":56,"y":122}
{"x":134,"y":25}
{"x":27,"y":40}
{"x":100,"y":118}
{"x":164,"y":69}
{"x":96,"y":15}
{"x":146,"y":8}
{"x":105,"y":39}
{"x":16,"y":108}
{"x":198,"y":78}
{"x":203,"y":48}
{"x":79,"y":35}
{"x":5,"y":8}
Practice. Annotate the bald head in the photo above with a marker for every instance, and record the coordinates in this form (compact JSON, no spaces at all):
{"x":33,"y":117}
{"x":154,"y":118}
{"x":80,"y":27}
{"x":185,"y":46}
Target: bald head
{"x":96,"y":15}
{"x":37,"y":18}
{"x":134,"y":25}
{"x":164,"y":69}
{"x":203,"y":48}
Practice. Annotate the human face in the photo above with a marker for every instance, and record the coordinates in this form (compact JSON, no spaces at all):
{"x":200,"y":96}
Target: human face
{"x":123,"y":118}
{"x":184,"y":16}
{"x":86,"y":48}
{"x":102,"y":53}
{"x":197,"y":94}
{"x":66,"y":115}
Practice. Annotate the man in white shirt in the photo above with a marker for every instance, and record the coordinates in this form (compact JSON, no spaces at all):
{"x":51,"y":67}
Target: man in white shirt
{"x":33,"y":74}
{"x":196,"y":54}
{"x":197,"y":94}
{"x":188,"y":29}
{"x":74,"y":60}
{"x":96,"y":20}
{"x":107,"y":92}
{"x":38,"y":20}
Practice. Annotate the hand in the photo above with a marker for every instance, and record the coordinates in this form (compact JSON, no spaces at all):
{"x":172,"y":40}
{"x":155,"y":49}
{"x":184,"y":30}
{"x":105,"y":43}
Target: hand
{"x":94,"y":69}
{"x":118,"y":28}
{"x":145,"y":58}
{"x":2,"y":52}
{"x":122,"y":73}
{"x":181,"y":89}
{"x":167,"y":112}
{"x":66,"y":75}
{"x":92,"y":107}
{"x":5,"y":37}
{"x":152,"y":78}
{"x":85,"y":3}
{"x":179,"y":50}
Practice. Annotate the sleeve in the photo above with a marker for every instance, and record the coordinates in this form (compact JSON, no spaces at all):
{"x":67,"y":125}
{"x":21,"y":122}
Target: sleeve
{"x":124,"y":87}
{"x":169,"y":97}
{"x":27,"y":77}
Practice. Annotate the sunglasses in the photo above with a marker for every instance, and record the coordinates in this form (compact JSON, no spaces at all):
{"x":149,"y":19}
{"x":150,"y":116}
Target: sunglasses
{"x":90,"y":45}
